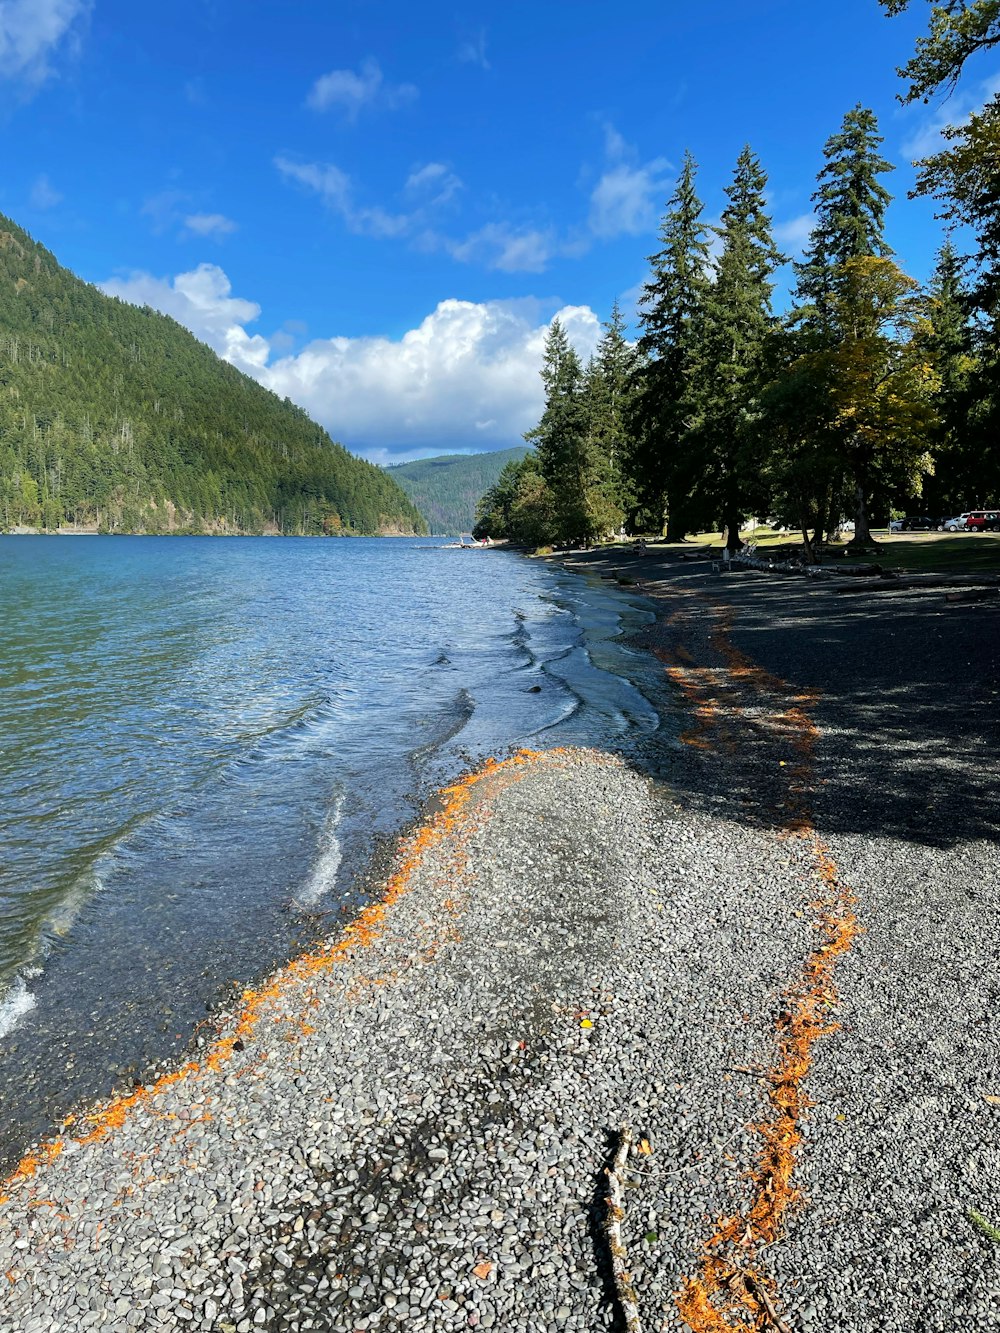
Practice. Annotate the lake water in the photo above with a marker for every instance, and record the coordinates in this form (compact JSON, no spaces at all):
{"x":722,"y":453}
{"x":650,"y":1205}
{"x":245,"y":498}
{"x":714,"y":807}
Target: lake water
{"x":203,"y":741}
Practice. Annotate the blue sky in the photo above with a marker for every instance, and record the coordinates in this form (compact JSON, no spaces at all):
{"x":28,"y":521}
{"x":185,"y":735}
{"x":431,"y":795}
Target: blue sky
{"x":377,"y":207}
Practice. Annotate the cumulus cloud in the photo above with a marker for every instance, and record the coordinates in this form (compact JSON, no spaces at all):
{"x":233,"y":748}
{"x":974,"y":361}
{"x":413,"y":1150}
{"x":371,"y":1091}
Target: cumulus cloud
{"x":625,"y":200}
{"x":351,"y":91}
{"x":467,"y":377}
{"x":31,"y":31}
{"x":203,"y":302}
{"x":214,"y":225}
{"x":43,"y":195}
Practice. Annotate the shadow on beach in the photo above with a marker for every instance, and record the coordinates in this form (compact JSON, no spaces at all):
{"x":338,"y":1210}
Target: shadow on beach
{"x":904,"y":688}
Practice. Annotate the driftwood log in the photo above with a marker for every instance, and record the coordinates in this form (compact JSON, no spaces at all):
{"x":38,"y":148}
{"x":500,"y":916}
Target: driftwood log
{"x":613,"y":1229}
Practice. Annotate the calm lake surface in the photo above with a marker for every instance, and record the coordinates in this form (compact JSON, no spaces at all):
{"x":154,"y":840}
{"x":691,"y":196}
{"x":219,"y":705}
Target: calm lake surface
{"x":203,"y":740}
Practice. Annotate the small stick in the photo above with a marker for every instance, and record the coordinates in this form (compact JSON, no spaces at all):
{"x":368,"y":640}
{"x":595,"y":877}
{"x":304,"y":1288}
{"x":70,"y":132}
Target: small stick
{"x":761,"y":1295}
{"x":613,"y":1229}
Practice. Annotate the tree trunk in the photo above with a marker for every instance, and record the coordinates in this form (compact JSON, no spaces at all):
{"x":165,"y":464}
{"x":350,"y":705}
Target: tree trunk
{"x":831,"y":514}
{"x":862,"y":533}
{"x":676,"y":532}
{"x":731,"y":517}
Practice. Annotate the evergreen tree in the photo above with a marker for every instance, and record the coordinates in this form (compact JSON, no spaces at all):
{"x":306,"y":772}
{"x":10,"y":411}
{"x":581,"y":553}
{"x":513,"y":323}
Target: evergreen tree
{"x":850,"y":205}
{"x":571,"y":464}
{"x":882,"y":382}
{"x":951,"y":346}
{"x":965,"y":179}
{"x":518,"y":507}
{"x":876,"y":386}
{"x":664,"y":460}
{"x":609,"y":393}
{"x":738,"y":324}
{"x":967,"y":460}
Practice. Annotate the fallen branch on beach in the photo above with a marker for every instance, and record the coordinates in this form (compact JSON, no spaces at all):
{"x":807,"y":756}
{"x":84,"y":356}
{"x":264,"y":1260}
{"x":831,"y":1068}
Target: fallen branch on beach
{"x":613,"y":1228}
{"x":759,"y":1293}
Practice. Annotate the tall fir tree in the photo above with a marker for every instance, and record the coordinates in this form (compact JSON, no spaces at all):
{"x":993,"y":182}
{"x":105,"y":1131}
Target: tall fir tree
{"x":850,"y":203}
{"x":569,"y":462}
{"x":965,"y":178}
{"x":738,"y":324}
{"x":965,"y":472}
{"x":664,"y":460}
{"x":610,"y":383}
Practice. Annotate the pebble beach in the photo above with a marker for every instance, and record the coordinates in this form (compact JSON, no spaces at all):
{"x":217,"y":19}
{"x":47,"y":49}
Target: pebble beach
{"x":765,"y":948}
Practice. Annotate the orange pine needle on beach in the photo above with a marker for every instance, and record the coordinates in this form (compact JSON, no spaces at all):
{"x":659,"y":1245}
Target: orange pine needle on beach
{"x":255,"y":1003}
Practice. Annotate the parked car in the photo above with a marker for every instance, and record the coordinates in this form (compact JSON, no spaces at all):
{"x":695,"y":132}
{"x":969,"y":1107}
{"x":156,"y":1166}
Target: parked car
{"x":956,"y":524}
{"x":983,"y":520}
{"x":913,"y":523}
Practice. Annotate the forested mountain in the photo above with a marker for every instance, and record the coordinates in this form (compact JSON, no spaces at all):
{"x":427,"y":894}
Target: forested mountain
{"x":445,"y":489}
{"x":117,"y":417}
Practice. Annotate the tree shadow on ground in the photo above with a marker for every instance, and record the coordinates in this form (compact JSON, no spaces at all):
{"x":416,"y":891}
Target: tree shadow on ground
{"x":903,"y":688}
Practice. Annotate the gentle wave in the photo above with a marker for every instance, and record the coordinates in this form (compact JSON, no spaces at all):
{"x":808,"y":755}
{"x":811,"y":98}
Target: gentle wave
{"x":211,"y":734}
{"x":323,"y":879}
{"x":17,"y":1002}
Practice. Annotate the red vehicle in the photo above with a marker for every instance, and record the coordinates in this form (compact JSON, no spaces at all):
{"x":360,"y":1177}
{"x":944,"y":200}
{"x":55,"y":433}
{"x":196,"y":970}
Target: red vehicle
{"x":983,"y":520}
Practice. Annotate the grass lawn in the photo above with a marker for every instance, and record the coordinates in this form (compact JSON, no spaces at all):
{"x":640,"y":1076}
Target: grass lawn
{"x":944,"y":552}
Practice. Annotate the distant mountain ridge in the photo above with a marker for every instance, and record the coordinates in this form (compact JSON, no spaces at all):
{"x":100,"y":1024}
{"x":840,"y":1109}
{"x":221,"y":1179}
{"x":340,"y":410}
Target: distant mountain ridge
{"x":118,"y":418}
{"x":446,"y":489}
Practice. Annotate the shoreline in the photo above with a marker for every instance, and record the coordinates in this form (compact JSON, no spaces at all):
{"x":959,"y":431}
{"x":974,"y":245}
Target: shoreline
{"x":421,"y":1141}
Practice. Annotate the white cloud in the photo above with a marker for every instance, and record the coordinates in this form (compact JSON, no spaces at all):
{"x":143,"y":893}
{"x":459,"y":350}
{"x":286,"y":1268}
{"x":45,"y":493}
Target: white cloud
{"x":351,"y":91}
{"x":336,"y":190}
{"x":925,"y":138}
{"x":498,"y":245}
{"x":795,"y":233}
{"x":474,"y":52}
{"x":202,"y":301}
{"x":625,"y":200}
{"x":32,"y":30}
{"x":466,"y":377}
{"x":43,"y":195}
{"x":214,"y":225}
{"x":433,"y":184}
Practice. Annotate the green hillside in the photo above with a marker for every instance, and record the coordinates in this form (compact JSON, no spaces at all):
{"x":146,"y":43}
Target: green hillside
{"x":117,"y":418}
{"x":446,"y":489}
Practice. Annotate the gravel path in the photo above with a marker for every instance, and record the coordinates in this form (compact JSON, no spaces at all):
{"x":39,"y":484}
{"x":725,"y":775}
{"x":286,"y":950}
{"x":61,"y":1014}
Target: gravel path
{"x":411,"y":1128}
